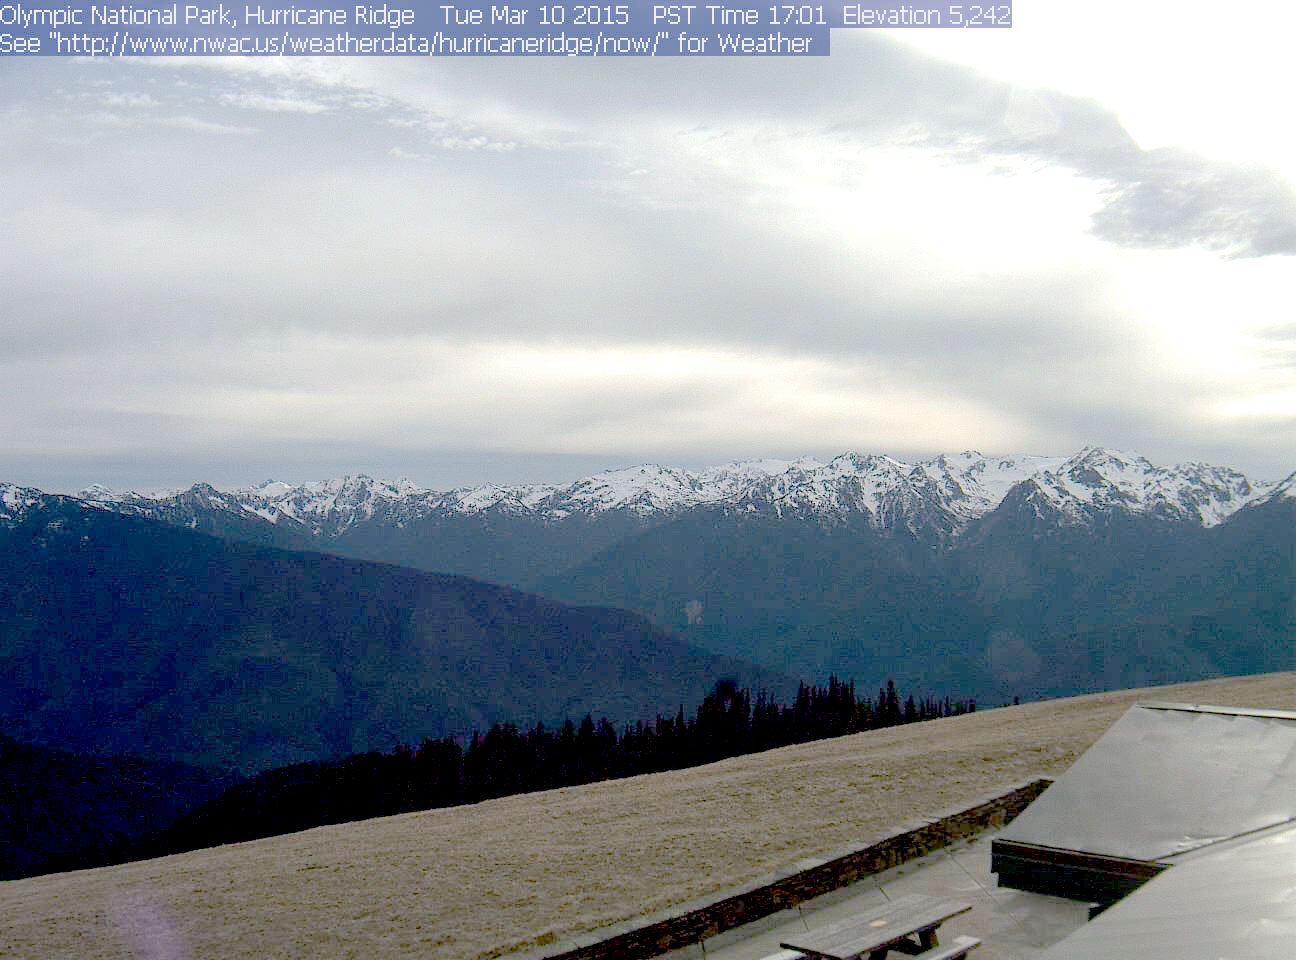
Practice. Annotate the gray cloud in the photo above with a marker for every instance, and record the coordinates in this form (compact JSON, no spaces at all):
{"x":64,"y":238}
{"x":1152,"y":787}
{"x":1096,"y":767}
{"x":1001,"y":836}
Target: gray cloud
{"x":1164,"y":198}
{"x":1171,"y":198}
{"x":559,"y":203}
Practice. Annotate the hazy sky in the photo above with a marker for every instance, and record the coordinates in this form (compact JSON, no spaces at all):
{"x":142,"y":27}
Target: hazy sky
{"x":1078,"y":231}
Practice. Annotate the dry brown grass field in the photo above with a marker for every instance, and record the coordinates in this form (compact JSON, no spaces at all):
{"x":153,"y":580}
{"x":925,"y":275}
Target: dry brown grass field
{"x":479,"y":881}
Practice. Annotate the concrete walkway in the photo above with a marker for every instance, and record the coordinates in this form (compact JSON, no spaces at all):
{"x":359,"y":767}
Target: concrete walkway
{"x":1011,"y":925}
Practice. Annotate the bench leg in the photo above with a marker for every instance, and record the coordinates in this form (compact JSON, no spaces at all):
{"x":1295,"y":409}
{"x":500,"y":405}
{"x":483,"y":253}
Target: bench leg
{"x":905,"y":946}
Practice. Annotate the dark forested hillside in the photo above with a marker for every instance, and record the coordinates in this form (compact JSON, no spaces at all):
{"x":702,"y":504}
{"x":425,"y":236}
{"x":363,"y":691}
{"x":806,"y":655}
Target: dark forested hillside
{"x":730,"y":721}
{"x":1130,"y":601}
{"x":61,"y":811}
{"x":124,"y":635}
{"x":798,"y":596}
{"x":495,"y":545}
{"x":1023,"y":605}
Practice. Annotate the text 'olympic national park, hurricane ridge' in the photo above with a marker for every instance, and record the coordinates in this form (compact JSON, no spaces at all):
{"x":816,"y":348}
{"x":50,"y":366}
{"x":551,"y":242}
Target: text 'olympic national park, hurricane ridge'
{"x":546,"y":29}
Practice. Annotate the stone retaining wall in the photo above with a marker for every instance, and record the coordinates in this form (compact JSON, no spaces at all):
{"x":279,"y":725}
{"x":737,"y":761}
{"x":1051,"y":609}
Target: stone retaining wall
{"x":837,"y":870}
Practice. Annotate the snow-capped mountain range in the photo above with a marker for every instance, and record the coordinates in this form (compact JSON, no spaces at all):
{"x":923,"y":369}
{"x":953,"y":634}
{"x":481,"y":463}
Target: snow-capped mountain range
{"x":941,"y":495}
{"x":1034,"y":576}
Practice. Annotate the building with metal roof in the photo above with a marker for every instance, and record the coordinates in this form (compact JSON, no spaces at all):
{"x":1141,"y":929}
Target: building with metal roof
{"x":1184,"y":818}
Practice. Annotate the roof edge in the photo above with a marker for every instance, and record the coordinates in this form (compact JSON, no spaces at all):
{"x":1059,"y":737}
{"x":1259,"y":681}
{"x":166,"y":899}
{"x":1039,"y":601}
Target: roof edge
{"x":1225,"y":711}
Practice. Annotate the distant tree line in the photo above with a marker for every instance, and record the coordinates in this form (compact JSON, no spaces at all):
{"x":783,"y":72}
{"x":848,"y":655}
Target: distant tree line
{"x":447,"y":771}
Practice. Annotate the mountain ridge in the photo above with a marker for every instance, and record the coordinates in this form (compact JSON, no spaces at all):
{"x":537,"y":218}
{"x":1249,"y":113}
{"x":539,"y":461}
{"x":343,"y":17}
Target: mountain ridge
{"x":941,"y":496}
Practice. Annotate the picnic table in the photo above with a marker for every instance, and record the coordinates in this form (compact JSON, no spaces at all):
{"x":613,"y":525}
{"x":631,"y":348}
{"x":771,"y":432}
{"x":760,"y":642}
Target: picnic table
{"x":888,"y":926}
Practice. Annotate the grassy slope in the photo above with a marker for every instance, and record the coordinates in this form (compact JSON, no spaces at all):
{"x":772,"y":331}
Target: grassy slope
{"x":478,"y":881}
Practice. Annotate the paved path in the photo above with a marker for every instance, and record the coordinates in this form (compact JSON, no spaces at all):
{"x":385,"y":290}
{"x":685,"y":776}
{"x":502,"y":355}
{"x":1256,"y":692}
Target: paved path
{"x":1011,"y":925}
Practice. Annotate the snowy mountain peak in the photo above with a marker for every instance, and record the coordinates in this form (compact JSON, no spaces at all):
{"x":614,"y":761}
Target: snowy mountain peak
{"x":269,"y":489}
{"x":1097,"y":461}
{"x":1097,"y":480}
{"x":97,"y":491}
{"x":867,"y":463}
{"x":328,"y":506}
{"x":15,"y":500}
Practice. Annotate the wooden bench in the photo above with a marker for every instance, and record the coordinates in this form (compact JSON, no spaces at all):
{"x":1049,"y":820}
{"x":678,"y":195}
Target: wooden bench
{"x":885,"y":927}
{"x":957,"y":950}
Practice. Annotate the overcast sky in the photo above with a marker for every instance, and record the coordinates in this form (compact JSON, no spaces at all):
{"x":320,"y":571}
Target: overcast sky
{"x":1078,"y":231}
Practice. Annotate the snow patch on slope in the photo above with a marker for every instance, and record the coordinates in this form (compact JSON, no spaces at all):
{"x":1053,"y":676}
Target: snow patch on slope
{"x":1284,"y":490}
{"x":1097,"y":480}
{"x":15,"y":500}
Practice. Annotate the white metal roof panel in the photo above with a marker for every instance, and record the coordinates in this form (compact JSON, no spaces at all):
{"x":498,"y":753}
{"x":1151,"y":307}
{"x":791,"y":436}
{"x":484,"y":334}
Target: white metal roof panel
{"x":1169,"y":778}
{"x":1237,"y":900}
